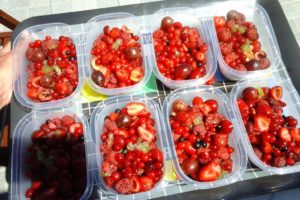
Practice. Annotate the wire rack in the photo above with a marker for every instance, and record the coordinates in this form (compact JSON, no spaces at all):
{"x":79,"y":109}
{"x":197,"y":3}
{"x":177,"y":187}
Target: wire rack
{"x":167,"y":187}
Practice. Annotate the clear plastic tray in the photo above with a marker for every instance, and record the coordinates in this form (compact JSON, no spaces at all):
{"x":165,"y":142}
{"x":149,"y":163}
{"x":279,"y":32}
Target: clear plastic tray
{"x":258,"y":15}
{"x":239,"y":156}
{"x":20,"y":77}
{"x":94,"y":28}
{"x":292,"y":100}
{"x":21,"y":141}
{"x":187,"y":18}
{"x":110,"y":105}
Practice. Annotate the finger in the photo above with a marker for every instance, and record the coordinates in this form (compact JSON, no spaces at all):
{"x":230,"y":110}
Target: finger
{"x":5,"y":49}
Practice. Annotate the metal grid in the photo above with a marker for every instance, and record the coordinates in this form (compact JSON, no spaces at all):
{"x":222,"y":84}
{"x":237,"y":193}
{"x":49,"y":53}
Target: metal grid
{"x":176,"y":186}
{"x":167,"y":187}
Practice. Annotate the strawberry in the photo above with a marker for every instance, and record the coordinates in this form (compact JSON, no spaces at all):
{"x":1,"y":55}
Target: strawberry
{"x":279,"y":161}
{"x":146,"y":183}
{"x":76,"y":128}
{"x":135,"y":108}
{"x":266,"y":147}
{"x":182,"y":116}
{"x":261,"y":123}
{"x":121,"y":131}
{"x":295,"y":134}
{"x":205,"y":108}
{"x":219,"y":21}
{"x":276,"y":92}
{"x":145,"y":113}
{"x":67,"y":120}
{"x":284,"y":134}
{"x":107,"y":168}
{"x":123,"y":186}
{"x":109,"y":181}
{"x":110,"y":157}
{"x":263,"y":108}
{"x":210,"y":172}
{"x":221,"y":139}
{"x":135,"y":184}
{"x":145,"y":134}
{"x":113,"y":116}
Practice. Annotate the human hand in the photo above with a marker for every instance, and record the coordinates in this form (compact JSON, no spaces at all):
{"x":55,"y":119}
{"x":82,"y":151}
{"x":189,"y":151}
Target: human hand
{"x":5,"y":75}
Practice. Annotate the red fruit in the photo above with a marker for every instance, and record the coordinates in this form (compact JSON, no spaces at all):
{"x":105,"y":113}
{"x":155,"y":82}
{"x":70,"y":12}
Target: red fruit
{"x":284,"y":134}
{"x":135,"y":184}
{"x":292,"y":122}
{"x":119,"y":142}
{"x":261,"y":123}
{"x":197,"y":100}
{"x":190,"y":166}
{"x":29,"y":193}
{"x":145,"y":134}
{"x":166,"y":22}
{"x":219,"y":21}
{"x":63,"y":88}
{"x":116,"y":176}
{"x":226,"y":126}
{"x":276,"y":92}
{"x":213,"y":104}
{"x":242,"y":105}
{"x":179,"y":105}
{"x":135,"y":108}
{"x":33,"y":93}
{"x":182,"y":116}
{"x":67,"y":120}
{"x":264,"y":109}
{"x":279,"y":161}
{"x":36,"y":135}
{"x":266,"y":147}
{"x":197,"y":73}
{"x":295,"y":134}
{"x":156,"y":155}
{"x":76,"y":128}
{"x":146,"y":183}
{"x":221,"y":139}
{"x":209,"y":172}
{"x":123,"y":186}
{"x":250,"y":94}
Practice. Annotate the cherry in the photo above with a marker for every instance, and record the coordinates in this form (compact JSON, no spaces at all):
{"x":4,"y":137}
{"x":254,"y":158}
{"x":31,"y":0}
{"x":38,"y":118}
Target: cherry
{"x":250,"y":93}
{"x":190,"y":166}
{"x":98,"y":78}
{"x":252,"y":65}
{"x":123,"y":120}
{"x":46,"y":81}
{"x":183,"y":71}
{"x":132,"y":53}
{"x":166,"y":22}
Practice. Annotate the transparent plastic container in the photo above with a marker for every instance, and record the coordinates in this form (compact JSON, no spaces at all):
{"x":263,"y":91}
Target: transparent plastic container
{"x":22,"y":140}
{"x":97,"y":121}
{"x":258,"y":15}
{"x":290,"y":97}
{"x":239,"y":156}
{"x":94,"y":28}
{"x":187,"y":18}
{"x":20,"y":74}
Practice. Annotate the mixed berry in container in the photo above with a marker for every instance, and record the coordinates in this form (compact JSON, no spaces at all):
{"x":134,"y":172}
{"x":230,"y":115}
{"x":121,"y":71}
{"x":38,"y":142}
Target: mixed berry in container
{"x":56,"y":160}
{"x":273,"y":134}
{"x":132,"y":162}
{"x":52,"y":69}
{"x":200,"y":135}
{"x":239,"y":42}
{"x":117,"y":58}
{"x":180,"y":50}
